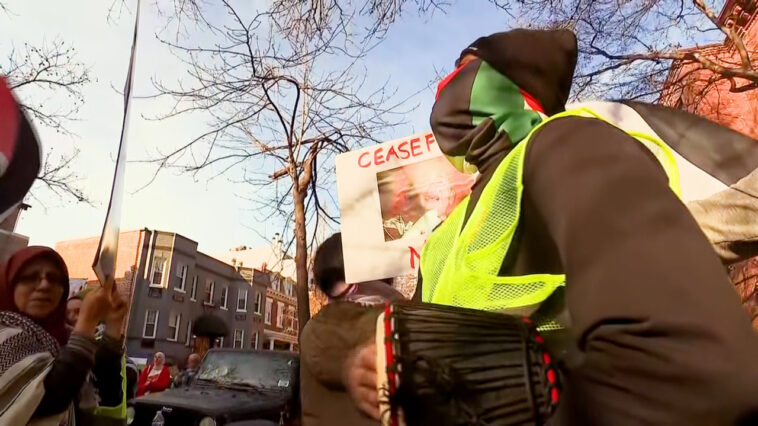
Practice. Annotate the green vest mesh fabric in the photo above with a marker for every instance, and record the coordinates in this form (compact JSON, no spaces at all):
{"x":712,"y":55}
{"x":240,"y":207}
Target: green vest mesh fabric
{"x":460,"y":264}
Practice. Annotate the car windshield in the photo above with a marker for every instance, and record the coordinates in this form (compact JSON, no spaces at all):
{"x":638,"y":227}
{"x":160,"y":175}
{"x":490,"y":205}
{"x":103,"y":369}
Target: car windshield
{"x":255,"y":369}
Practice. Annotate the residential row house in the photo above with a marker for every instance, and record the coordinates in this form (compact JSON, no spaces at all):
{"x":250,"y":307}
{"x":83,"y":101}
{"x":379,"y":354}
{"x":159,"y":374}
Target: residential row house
{"x":276,"y":271}
{"x":184,"y":301}
{"x":279,"y":305}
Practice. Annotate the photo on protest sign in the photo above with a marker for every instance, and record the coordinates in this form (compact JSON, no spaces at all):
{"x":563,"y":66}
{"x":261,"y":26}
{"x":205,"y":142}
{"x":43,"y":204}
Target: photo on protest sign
{"x":419,"y":196}
{"x":392,"y":196}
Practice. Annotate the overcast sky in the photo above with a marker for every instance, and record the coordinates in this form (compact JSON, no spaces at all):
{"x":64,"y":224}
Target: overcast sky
{"x":215,"y":213}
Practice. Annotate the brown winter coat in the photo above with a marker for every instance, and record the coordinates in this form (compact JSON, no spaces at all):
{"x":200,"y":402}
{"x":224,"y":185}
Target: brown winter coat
{"x":326,"y":341}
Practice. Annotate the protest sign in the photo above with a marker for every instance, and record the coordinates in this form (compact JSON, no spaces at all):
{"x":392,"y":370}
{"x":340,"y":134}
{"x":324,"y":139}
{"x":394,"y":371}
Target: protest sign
{"x":392,"y":196}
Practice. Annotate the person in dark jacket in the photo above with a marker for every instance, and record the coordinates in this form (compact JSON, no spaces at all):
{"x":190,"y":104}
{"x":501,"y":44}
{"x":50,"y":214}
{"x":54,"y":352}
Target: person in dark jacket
{"x":187,"y":376}
{"x":329,"y":276}
{"x":132,"y":377}
{"x":33,"y":283}
{"x":347,"y":322}
{"x":653,"y":332}
{"x":101,"y":400}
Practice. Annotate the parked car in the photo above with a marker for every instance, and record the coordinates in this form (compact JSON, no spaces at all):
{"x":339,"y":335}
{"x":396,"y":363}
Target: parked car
{"x":232,"y":388}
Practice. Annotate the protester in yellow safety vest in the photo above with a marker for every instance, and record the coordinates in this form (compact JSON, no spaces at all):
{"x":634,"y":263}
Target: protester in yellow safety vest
{"x":577,"y":222}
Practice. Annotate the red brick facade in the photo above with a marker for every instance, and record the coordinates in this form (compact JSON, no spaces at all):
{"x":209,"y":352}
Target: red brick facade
{"x":79,"y":254}
{"x":693,"y":88}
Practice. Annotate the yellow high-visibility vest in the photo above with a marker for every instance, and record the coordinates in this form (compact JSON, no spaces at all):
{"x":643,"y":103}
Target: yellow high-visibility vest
{"x":460,"y":263}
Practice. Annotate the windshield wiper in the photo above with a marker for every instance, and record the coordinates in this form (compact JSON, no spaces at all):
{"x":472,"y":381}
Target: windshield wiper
{"x":206,"y":382}
{"x":240,"y":386}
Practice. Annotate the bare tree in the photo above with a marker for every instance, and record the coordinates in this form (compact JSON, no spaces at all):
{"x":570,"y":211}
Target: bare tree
{"x":48,"y":80}
{"x":278,"y":109}
{"x":626,"y":48}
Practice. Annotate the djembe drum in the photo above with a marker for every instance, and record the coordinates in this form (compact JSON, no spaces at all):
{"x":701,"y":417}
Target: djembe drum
{"x":441,"y":365}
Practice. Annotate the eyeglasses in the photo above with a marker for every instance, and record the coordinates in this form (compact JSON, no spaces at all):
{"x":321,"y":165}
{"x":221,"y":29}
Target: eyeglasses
{"x":36,"y":278}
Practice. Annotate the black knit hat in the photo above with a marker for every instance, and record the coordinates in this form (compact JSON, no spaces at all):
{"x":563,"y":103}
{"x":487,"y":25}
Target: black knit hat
{"x":540,"y":62}
{"x":329,"y":264}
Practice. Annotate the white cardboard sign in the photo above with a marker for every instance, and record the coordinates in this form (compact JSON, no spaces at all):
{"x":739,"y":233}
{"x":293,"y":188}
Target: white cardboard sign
{"x":392,"y":196}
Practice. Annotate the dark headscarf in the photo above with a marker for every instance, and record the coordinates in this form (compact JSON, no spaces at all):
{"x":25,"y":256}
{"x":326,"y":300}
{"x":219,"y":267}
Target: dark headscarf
{"x":55,"y":323}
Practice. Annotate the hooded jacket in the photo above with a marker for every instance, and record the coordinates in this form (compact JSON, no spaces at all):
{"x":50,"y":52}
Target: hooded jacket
{"x":656,"y":334}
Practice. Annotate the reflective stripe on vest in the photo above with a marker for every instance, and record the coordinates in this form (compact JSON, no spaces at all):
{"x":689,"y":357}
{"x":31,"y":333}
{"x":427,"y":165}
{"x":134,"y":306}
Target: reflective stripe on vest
{"x":460,"y":264}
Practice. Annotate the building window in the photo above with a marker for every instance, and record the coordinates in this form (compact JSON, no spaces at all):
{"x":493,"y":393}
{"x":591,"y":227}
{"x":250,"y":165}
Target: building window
{"x":267,"y":314}
{"x":219,"y":342}
{"x":254,"y":341}
{"x":239,"y":339}
{"x":174,"y":322}
{"x":151,"y":324}
{"x":289,"y":319}
{"x":242,"y":300}
{"x":188,"y":337}
{"x":159,"y":265}
{"x":210,"y":286}
{"x":258,"y":302}
{"x":181,"y":272}
{"x":289,"y":288}
{"x":280,"y":314}
{"x":275,"y":283}
{"x":224,"y":297}
{"x":193,"y":290}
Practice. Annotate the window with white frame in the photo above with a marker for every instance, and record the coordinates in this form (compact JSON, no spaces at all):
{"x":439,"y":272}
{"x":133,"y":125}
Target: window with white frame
{"x":258,"y":302}
{"x":239,"y":339}
{"x":269,"y":307}
{"x":224,"y":297}
{"x":242,"y":300}
{"x":159,"y":266}
{"x":279,"y":314}
{"x":193,"y":290}
{"x":181,"y":272}
{"x":151,"y":324}
{"x":174,"y":322}
{"x":254,"y":341}
{"x":289,"y":289}
{"x":275,"y":282}
{"x":188,"y":336}
{"x":210,"y":286}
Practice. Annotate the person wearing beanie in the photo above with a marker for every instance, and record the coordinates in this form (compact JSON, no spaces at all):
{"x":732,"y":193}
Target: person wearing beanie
{"x":578,"y":222}
{"x":347,"y":322}
{"x":329,"y":276}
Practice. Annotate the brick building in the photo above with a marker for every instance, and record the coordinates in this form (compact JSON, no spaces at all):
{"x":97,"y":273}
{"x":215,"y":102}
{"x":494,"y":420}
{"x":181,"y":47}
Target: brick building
{"x":181,"y":300}
{"x":692,"y":88}
{"x":276,"y":307}
{"x":276,"y":271}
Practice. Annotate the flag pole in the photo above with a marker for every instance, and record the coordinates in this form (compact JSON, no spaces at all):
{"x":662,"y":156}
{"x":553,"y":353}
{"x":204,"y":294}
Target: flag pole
{"x":104,"y":264}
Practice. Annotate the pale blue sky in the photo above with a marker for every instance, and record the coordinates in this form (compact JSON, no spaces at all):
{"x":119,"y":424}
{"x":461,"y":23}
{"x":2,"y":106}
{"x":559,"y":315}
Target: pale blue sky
{"x":213,"y":213}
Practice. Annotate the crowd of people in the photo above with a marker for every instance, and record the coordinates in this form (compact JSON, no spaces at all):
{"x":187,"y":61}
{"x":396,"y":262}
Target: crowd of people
{"x":70,"y":348}
{"x":574,"y":222}
{"x":73,"y":371}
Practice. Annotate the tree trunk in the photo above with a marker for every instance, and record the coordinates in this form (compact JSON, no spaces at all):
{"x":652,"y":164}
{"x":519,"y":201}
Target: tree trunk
{"x":301,"y":258}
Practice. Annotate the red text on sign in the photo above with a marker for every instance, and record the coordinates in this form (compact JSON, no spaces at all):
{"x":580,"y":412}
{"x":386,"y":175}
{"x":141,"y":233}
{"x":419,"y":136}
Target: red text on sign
{"x":402,"y":150}
{"x":414,"y":255}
